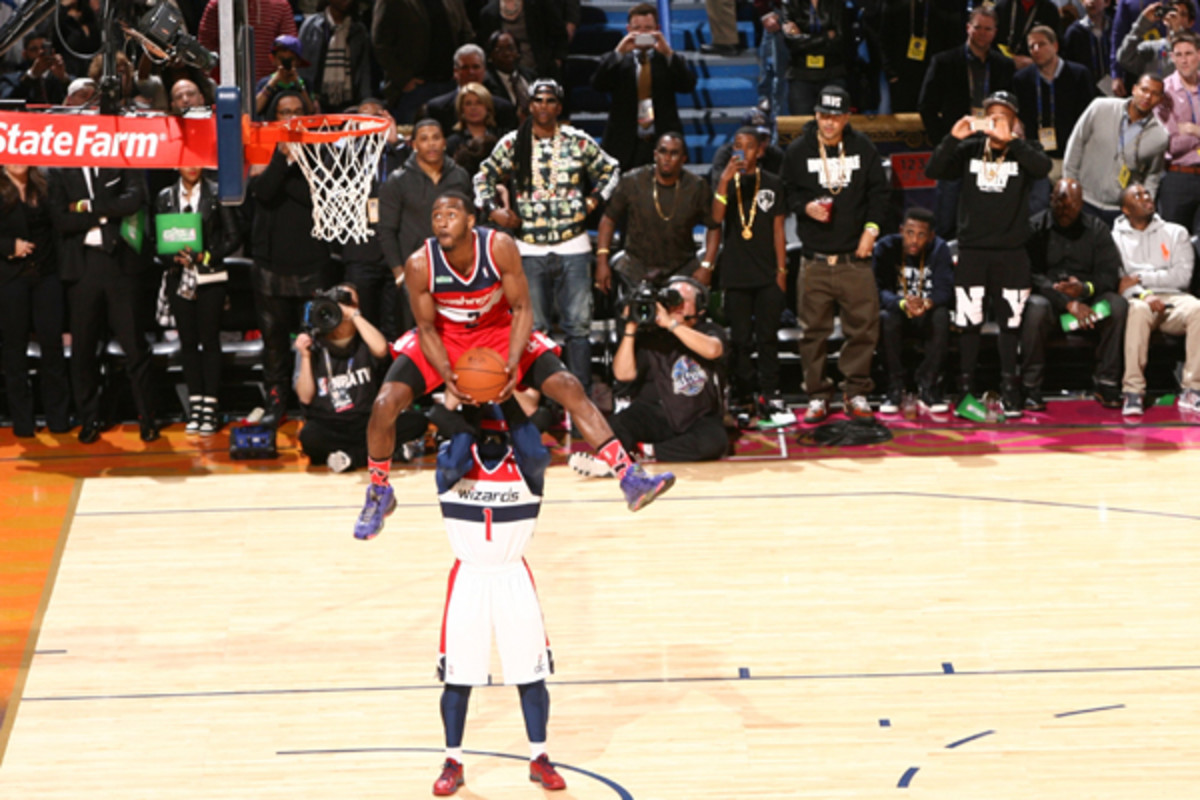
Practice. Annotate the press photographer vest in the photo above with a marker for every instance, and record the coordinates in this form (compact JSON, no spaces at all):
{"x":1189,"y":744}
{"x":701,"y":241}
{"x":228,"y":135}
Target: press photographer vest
{"x":347,"y":383}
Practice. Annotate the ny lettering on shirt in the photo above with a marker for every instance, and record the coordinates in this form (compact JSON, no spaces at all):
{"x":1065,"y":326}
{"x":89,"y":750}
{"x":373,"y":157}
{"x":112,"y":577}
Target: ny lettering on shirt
{"x":834,"y":173}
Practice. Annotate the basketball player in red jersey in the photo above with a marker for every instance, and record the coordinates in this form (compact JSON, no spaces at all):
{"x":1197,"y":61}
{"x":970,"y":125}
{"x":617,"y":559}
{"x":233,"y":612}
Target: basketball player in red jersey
{"x":467,"y":289}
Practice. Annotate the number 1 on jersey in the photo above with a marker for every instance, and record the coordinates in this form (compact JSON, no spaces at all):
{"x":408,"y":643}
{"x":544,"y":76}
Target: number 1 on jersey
{"x":487,"y":523}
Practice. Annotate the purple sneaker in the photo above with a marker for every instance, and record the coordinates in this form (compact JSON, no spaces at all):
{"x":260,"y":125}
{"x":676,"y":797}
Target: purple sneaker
{"x":641,"y":488}
{"x":381,"y":501}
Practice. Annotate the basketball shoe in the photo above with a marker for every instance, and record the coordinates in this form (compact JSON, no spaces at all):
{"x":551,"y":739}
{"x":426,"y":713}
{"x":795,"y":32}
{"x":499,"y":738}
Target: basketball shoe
{"x":451,"y":778}
{"x":641,"y":488}
{"x":543,"y":772}
{"x":381,"y":501}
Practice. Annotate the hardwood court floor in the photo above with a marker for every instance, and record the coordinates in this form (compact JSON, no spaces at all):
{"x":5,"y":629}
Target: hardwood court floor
{"x":986,"y":627}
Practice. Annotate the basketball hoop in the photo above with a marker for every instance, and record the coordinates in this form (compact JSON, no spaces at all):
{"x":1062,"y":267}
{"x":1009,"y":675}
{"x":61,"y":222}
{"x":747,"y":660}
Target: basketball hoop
{"x":339,"y":155}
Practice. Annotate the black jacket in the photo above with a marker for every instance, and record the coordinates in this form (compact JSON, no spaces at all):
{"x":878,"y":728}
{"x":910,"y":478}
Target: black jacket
{"x":946,"y":93}
{"x":617,"y":74}
{"x":282,"y":233}
{"x":545,"y":26}
{"x":16,"y":223}
{"x":499,"y":89}
{"x":406,"y":205}
{"x":221,"y":234}
{"x":814,"y":40}
{"x":442,"y":109}
{"x":1073,"y":90}
{"x":118,"y":193}
{"x":1085,"y":249}
{"x":1016,"y":38}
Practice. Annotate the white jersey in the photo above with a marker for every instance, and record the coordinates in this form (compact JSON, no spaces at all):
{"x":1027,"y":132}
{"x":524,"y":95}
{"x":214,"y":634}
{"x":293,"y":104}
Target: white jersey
{"x":490,"y":514}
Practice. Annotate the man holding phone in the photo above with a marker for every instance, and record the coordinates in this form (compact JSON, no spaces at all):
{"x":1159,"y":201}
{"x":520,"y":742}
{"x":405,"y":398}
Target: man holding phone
{"x":286,"y":55}
{"x":644,"y":75}
{"x":42,"y":77}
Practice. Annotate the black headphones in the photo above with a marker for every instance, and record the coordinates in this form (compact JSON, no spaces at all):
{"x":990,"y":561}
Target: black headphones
{"x":701,"y":291}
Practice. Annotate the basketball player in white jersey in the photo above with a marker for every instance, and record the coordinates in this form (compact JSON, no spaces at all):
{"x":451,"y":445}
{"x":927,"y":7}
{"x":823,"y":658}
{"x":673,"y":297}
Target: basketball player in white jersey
{"x":467,"y":289}
{"x":490,"y":488}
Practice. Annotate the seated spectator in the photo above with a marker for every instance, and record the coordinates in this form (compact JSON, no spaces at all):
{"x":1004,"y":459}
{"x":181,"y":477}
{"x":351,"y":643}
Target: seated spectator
{"x":1105,"y":164}
{"x":42,"y":76}
{"x":288,"y":61}
{"x":472,"y":153}
{"x":1158,"y":260}
{"x":338,"y":374}
{"x":643,"y":80}
{"x":1014,"y":20}
{"x":1088,"y":41}
{"x":1138,"y":54}
{"x":338,"y":50}
{"x":752,"y":270}
{"x":506,"y":79}
{"x":657,"y":208}
{"x":816,"y":40}
{"x":674,"y":363}
{"x":125,"y":72}
{"x":1179,"y":195}
{"x":1074,"y":266}
{"x":915,"y":275}
{"x":151,"y":95}
{"x":468,"y":68}
{"x":414,"y":43}
{"x":194,"y":283}
{"x":476,"y":118}
{"x":80,"y":92}
{"x":31,"y":297}
{"x":185,"y":95}
{"x":537,"y":28}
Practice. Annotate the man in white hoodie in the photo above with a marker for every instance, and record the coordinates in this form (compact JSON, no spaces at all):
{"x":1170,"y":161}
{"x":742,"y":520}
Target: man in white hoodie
{"x":1158,"y":260}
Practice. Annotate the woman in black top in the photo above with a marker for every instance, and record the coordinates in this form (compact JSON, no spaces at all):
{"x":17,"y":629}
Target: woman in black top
{"x":476,"y":118}
{"x":31,"y":293}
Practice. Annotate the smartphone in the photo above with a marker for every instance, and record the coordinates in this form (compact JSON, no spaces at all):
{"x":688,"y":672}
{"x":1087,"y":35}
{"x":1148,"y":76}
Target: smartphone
{"x":1161,"y":11}
{"x":644,"y":40}
{"x":984,"y":124}
{"x":740,"y":154}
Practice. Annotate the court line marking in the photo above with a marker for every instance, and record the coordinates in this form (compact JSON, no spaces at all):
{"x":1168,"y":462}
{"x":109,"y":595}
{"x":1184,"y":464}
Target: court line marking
{"x":971,"y":738}
{"x":1089,"y":710}
{"x":618,"y":681}
{"x":677,"y":499}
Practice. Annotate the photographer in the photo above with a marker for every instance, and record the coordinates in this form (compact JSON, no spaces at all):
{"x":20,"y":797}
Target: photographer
{"x":673,"y":360}
{"x":286,"y":55}
{"x":340,"y":363}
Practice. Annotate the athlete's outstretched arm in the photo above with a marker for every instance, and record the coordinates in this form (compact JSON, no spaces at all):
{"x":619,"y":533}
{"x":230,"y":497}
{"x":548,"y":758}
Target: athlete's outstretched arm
{"x":516,"y":291}
{"x":416,"y":276}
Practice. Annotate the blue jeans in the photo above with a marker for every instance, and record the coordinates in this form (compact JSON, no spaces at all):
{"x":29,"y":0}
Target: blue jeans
{"x":563,"y":284}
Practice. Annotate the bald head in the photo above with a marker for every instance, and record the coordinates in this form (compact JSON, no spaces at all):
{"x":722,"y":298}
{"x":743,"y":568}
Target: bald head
{"x":1066,"y":201}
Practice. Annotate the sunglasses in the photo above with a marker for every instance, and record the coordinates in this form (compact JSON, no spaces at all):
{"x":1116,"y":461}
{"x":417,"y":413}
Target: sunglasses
{"x":547,"y":100}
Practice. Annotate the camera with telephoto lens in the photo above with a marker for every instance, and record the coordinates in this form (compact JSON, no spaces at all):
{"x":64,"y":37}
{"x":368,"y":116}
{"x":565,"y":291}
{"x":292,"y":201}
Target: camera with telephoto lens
{"x":324,"y":312}
{"x":644,"y":299}
{"x":165,"y":28}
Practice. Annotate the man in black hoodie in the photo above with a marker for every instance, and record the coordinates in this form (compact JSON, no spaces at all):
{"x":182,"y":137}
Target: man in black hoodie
{"x":838,"y":191}
{"x":997,"y":169}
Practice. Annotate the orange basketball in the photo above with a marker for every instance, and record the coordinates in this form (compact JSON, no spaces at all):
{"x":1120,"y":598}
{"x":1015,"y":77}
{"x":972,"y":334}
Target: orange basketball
{"x":481,"y":373}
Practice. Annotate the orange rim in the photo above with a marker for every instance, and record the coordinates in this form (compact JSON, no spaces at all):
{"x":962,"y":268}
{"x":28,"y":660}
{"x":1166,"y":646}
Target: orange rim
{"x":260,"y":138}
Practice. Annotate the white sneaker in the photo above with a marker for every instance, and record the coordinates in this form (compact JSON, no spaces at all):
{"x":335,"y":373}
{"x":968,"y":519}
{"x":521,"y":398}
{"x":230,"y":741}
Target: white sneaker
{"x":1189,"y":400}
{"x":589,"y":466}
{"x":776,"y":414}
{"x":818,"y":410}
{"x":338,"y":461}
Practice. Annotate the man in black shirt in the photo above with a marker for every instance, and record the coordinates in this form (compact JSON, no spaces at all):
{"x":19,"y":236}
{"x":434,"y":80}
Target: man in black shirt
{"x":1075,"y":265}
{"x":752,"y":271}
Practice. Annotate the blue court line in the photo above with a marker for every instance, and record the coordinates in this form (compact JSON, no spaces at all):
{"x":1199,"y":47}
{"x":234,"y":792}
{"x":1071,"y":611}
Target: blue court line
{"x":613,"y":682}
{"x":961,"y":742}
{"x":1089,"y":710}
{"x":907,"y":777}
{"x":616,"y":787}
{"x":678,"y":499}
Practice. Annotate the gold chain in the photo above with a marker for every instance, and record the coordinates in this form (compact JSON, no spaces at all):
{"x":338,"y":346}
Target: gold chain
{"x":920,"y":275}
{"x":658,"y":208}
{"x":842,"y":176}
{"x":991,"y":165}
{"x":747,"y":227}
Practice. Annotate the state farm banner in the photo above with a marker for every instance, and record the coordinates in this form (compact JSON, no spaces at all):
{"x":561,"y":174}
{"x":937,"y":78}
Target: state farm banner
{"x":95,"y":140}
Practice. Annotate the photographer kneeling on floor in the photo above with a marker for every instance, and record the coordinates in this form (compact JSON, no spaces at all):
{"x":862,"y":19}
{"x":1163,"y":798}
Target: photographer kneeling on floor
{"x":341,"y":361}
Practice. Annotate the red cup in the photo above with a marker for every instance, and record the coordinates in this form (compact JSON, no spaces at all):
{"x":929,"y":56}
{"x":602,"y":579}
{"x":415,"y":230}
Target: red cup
{"x":826,"y":203}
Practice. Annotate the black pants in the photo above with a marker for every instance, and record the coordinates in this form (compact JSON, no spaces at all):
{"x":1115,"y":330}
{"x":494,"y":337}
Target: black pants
{"x":106,"y":292}
{"x":383,"y":304}
{"x":934,"y":329}
{"x":199,"y":324}
{"x":1041,"y":322}
{"x":705,"y":440}
{"x":278,"y":318}
{"x":36,"y":301}
{"x":995,"y":280}
{"x":321,"y":436}
{"x":1179,"y":199}
{"x":754,"y":316}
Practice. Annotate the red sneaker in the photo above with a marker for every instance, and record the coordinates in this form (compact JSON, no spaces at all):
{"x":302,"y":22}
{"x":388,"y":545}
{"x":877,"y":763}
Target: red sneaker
{"x":451,"y":778}
{"x":543,"y":772}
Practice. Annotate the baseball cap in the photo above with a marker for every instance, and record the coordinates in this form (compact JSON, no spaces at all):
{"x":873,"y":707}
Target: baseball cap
{"x":833,"y":99}
{"x":544,"y":86}
{"x":286,"y":42}
{"x":1003,"y":98}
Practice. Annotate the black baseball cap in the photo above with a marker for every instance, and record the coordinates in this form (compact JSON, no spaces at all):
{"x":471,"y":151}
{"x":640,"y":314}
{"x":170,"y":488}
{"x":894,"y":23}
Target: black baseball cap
{"x":1003,"y":98}
{"x":833,"y":99}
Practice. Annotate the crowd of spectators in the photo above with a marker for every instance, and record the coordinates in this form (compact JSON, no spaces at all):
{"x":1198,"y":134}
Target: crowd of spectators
{"x":1045,"y":117}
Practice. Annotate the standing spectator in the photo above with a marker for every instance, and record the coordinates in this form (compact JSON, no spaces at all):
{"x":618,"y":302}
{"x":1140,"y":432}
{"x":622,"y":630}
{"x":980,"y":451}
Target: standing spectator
{"x":770,"y":156}
{"x":838,"y":191}
{"x":559,"y":175}
{"x":997,"y":169}
{"x":914,"y":272}
{"x":816,"y":38}
{"x":406,"y":203}
{"x":31,"y":296}
{"x":414,"y":43}
{"x":1159,"y":260}
{"x":1088,"y":41}
{"x":476,"y":116}
{"x":722,"y":24}
{"x":1179,"y":195}
{"x":537,"y":28}
{"x":270,"y":18}
{"x":774,"y":58}
{"x":1125,"y":16}
{"x":752,"y":269}
{"x":506,"y":79}
{"x":659,"y":243}
{"x":946,"y":97}
{"x":643,"y":80}
{"x":912,"y":32}
{"x":468,"y":68}
{"x":195,"y":287}
{"x":1116,"y":143}
{"x":77,"y":30}
{"x":101,"y":272}
{"x":1015,"y":19}
{"x":42,"y":76}
{"x":1139,"y":53}
{"x":338,"y":49}
{"x":289,"y":264}
{"x":288,"y":61}
{"x":1074,"y":266}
